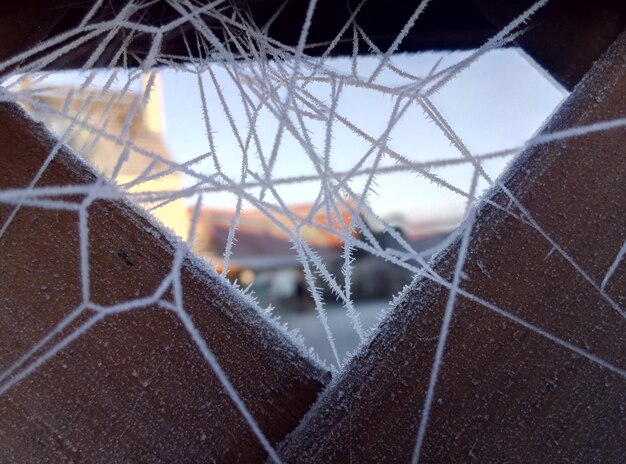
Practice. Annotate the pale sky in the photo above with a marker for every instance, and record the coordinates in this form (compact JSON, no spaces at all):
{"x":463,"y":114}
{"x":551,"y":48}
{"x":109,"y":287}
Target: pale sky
{"x":496,"y":104}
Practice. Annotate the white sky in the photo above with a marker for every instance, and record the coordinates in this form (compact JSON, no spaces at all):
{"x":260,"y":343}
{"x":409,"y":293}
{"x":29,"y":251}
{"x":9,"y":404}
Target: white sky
{"x":496,"y":104}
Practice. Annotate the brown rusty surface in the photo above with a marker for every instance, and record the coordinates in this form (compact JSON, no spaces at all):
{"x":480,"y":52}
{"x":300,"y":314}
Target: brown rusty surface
{"x":133,"y":388}
{"x":505,"y":392}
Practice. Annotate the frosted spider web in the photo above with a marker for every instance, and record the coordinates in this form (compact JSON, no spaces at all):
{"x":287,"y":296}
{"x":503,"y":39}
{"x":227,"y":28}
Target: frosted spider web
{"x":241,"y":79}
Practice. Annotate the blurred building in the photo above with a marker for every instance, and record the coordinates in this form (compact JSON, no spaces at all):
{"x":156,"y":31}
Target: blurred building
{"x":80,"y":115}
{"x":264,"y":256}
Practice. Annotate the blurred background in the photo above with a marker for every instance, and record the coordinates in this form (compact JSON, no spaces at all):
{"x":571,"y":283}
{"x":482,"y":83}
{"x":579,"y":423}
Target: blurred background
{"x":495,"y":105}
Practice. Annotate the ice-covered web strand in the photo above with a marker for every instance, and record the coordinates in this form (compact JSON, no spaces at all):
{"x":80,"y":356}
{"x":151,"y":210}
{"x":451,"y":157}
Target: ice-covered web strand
{"x":44,"y":165}
{"x":365,"y":135}
{"x":114,"y":99}
{"x":21,"y":375}
{"x":91,"y":13}
{"x":596,"y":360}
{"x":307,"y":145}
{"x":202,"y":345}
{"x":188,"y":16}
{"x":136,"y":105}
{"x":349,"y":22}
{"x":395,"y":155}
{"x":328,"y":137}
{"x":535,"y":141}
{"x":447,"y":318}
{"x":399,"y":38}
{"x":435,"y":116}
{"x":291,"y":84}
{"x":400,"y":72}
{"x":62,"y":140}
{"x":252,"y":132}
{"x":288,"y":180}
{"x":360,"y":203}
{"x":354,"y":66}
{"x":317,"y":298}
{"x":613,"y":268}
{"x":299,"y":246}
{"x":583,"y":131}
{"x":472,"y":190}
{"x":490,"y":44}
{"x":443,"y":336}
{"x":540,"y":331}
{"x":213,"y":40}
{"x":346,"y":269}
{"x":427,"y":272}
{"x":172,"y":195}
{"x":207,"y":123}
{"x":88,"y":146}
{"x":99,"y":313}
{"x":222,"y":377}
{"x":253,"y":112}
{"x":83,"y":240}
{"x":327,"y":191}
{"x":87,"y":32}
{"x":333,"y":43}
{"x":145,"y":176}
{"x":324,"y":274}
{"x":244,"y":173}
{"x":430,"y":275}
{"x":562,"y":252}
{"x":200,"y":26}
{"x":124,"y":14}
{"x":435,"y":81}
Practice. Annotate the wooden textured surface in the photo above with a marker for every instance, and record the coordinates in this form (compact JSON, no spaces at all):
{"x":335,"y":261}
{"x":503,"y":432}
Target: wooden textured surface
{"x":134,"y":388}
{"x":564,"y":36}
{"x":506,"y":393}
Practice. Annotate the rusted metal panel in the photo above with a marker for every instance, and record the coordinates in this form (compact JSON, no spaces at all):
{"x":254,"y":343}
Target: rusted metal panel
{"x":534,"y":365}
{"x":134,"y":387}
